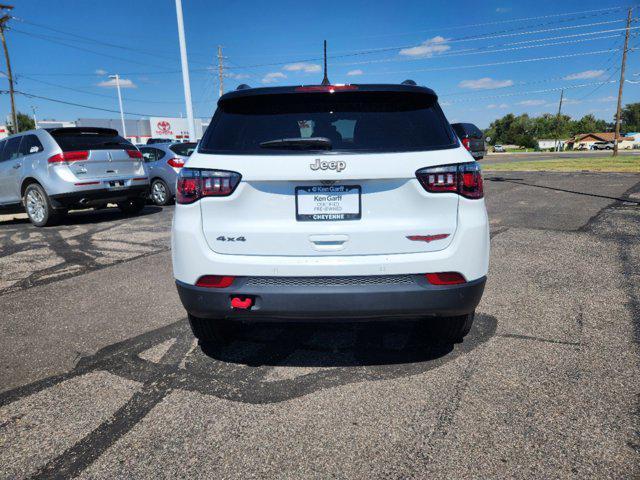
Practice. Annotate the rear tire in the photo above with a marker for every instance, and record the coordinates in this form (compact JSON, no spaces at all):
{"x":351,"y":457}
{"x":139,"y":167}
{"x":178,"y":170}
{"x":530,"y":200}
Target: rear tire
{"x":216,"y":330}
{"x":38,"y":207}
{"x":450,"y":329}
{"x":132,"y":206}
{"x":160,"y":193}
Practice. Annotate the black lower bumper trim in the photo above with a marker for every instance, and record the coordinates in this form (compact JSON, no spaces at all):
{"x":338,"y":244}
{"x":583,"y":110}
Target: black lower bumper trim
{"x":103,"y":195}
{"x":337,"y":302}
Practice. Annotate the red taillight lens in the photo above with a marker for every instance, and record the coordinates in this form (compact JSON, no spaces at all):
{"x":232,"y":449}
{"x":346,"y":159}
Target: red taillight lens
{"x":194,"y":184}
{"x":445,"y":278}
{"x":466,"y":143}
{"x":176,"y":162}
{"x":134,"y":153}
{"x":215,"y":281}
{"x":69,"y":156}
{"x":464,"y":179}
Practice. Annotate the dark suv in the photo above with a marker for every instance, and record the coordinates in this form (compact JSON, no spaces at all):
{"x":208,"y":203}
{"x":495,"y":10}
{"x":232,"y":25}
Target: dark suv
{"x":472,"y":139}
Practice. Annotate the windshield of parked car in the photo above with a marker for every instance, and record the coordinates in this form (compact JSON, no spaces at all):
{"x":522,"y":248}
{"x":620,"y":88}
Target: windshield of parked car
{"x":183,"y":149}
{"x":90,"y":139}
{"x":350,"y":121}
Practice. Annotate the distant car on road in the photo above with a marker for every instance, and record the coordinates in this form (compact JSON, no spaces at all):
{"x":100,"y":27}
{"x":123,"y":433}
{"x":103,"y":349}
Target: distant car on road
{"x":164,"y":161}
{"x":602,"y":146}
{"x":472,"y":138}
{"x":50,"y":171}
{"x":498,"y":148}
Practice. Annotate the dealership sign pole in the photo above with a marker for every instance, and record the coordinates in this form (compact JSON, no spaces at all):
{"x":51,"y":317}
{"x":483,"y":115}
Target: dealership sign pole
{"x":117,"y":79}
{"x":185,"y":72}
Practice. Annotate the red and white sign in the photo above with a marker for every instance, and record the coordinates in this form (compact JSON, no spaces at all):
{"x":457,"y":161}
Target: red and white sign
{"x":172,"y":128}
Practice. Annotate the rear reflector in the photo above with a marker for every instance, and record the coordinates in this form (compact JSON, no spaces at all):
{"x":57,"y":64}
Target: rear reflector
{"x":215,"y":281}
{"x":134,"y":153}
{"x":86,"y":183}
{"x":445,"y":278}
{"x":241,"y":303}
{"x":69,"y":156}
{"x":176,"y":162}
{"x":140,"y":178}
{"x":428,"y":238}
{"x":326,"y":88}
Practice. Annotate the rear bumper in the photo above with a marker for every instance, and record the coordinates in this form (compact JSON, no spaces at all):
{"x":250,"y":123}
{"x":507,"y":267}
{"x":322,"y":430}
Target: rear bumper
{"x":87,"y":198}
{"x":411,"y":297}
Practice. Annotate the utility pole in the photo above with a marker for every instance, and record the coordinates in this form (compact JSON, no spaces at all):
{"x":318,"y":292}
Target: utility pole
{"x":185,"y":72}
{"x":117,"y":78}
{"x":624,"y":64}
{"x":220,"y":71}
{"x":558,"y":122}
{"x":3,"y":20}
{"x":35,"y":120}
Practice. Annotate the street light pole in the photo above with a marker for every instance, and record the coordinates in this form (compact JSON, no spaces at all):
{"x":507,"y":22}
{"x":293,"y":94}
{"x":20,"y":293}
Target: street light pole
{"x":35,"y":120}
{"x":124,"y":129}
{"x":185,"y":72}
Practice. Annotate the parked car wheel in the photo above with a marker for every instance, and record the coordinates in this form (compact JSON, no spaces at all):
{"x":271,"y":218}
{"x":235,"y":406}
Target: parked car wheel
{"x":213,"y":330}
{"x":38,"y":207}
{"x":131,"y":206}
{"x":449,"y":329}
{"x":160,"y":193}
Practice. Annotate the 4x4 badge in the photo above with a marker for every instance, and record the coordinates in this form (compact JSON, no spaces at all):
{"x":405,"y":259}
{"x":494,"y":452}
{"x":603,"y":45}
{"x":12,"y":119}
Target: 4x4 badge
{"x":338,"y":166}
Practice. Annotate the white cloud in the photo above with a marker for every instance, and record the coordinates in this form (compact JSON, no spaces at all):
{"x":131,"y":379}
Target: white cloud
{"x":238,"y":76}
{"x":444,"y":104}
{"x":427,"y":48}
{"x":503,"y":10}
{"x":100,"y":71}
{"x":355,"y":72}
{"x":494,"y":105}
{"x":584,"y":75}
{"x":532,"y":103}
{"x":610,"y":98}
{"x":570,"y":101}
{"x":273,"y":77}
{"x":302,"y":67}
{"x":484,"y":83}
{"x":124,"y":83}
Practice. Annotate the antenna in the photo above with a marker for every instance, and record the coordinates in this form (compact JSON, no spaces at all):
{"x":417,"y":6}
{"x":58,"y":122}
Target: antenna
{"x":325,"y":80}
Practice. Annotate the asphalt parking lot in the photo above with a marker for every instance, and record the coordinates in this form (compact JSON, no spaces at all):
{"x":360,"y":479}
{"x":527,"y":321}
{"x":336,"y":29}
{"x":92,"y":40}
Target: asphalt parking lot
{"x":101,"y":378}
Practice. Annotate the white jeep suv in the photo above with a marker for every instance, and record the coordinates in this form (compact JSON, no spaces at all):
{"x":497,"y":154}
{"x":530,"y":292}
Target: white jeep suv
{"x":330,"y":202}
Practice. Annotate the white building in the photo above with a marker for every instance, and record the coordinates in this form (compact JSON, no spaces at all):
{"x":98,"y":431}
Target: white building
{"x":550,"y":144}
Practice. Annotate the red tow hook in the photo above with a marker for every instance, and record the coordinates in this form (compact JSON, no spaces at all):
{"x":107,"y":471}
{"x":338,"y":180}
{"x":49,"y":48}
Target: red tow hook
{"x":241,"y":303}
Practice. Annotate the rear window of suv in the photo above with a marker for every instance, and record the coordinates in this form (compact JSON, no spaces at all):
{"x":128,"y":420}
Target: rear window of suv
{"x":352,"y":121}
{"x":183,"y":149}
{"x":71,"y":139}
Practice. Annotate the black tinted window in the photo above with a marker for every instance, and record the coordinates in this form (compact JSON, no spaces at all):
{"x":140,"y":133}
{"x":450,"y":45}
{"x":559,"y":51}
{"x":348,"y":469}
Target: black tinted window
{"x":184,"y":149}
{"x":354,"y":121}
{"x":467,"y":130}
{"x":11,"y":149}
{"x":30,"y":144}
{"x":90,"y":139}
{"x":2,"y":144}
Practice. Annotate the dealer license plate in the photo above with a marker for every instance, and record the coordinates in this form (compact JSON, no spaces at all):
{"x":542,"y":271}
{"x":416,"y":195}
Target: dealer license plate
{"x":331,"y":203}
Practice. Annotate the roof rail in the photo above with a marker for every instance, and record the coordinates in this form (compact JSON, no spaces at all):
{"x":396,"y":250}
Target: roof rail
{"x":242,"y":86}
{"x":409,"y":82}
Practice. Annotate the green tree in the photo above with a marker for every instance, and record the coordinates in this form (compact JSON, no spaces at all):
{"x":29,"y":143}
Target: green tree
{"x":25,"y":122}
{"x":630,"y":117}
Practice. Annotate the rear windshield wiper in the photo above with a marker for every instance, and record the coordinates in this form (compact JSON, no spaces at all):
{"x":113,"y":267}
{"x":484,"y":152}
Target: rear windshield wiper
{"x":311,"y":143}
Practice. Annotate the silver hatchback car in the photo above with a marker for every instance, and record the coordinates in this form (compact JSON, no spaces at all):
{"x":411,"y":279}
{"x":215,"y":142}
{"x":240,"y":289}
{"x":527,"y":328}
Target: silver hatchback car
{"x":164,"y":162}
{"x":50,"y":171}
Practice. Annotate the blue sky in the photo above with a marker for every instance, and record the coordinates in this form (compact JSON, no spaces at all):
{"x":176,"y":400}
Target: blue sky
{"x":484,"y":59}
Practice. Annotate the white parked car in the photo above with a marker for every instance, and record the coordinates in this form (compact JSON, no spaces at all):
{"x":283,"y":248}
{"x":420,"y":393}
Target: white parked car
{"x":330,"y":202}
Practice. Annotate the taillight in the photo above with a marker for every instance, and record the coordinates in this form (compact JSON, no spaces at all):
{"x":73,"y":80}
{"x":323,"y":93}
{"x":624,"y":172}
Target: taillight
{"x":445,"y":278}
{"x":176,"y":162}
{"x":464,"y":179}
{"x":134,"y":153}
{"x":215,"y":281}
{"x":466,"y":143}
{"x":69,"y":156}
{"x":195,"y":183}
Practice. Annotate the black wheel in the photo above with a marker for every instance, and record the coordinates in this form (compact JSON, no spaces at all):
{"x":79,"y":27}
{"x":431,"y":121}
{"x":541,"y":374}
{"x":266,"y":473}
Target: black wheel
{"x":213,"y":329}
{"x":449,"y":329}
{"x":132,"y":206}
{"x":160,"y":193}
{"x":38,"y":207}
